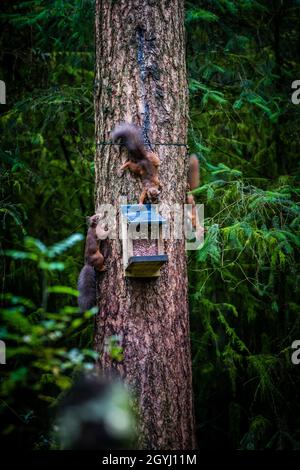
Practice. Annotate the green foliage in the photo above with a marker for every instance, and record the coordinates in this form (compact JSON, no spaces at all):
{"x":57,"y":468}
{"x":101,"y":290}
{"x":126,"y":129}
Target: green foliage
{"x":114,"y":349}
{"x":44,"y":348}
{"x":244,"y":281}
{"x":47,"y":134}
{"x":46,"y":188}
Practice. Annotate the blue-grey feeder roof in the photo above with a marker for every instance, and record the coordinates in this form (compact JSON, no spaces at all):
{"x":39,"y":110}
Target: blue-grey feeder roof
{"x":145,"y":214}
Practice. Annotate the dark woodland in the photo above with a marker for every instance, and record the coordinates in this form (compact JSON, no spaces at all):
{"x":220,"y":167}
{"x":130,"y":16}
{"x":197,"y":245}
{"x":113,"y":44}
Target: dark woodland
{"x":242,"y":57}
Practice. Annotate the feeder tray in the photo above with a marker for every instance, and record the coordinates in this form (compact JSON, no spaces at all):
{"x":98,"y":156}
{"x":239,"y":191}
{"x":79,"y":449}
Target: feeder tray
{"x":142,"y":257}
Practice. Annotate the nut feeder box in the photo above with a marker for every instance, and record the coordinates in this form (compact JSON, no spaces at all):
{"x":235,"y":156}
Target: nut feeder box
{"x":143,"y":248}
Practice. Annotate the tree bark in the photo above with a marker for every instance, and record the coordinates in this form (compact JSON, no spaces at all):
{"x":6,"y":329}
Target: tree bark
{"x":141,"y":78}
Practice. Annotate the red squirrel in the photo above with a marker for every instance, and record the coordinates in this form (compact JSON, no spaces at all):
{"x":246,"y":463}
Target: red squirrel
{"x":94,"y":261}
{"x":193,"y":183}
{"x":141,"y":161}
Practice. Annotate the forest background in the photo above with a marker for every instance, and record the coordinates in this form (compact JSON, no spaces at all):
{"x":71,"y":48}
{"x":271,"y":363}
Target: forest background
{"x":242,"y":57}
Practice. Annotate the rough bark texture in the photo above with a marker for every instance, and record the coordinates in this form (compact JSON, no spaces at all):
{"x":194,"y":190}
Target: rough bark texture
{"x":151,"y":317}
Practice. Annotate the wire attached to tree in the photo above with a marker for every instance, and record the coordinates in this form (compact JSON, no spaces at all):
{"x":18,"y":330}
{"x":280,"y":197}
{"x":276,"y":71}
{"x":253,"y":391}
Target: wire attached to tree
{"x":140,"y":32}
{"x":167,"y":144}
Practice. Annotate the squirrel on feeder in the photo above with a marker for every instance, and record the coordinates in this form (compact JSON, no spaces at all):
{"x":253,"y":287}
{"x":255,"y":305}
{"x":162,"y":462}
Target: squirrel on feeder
{"x":94,"y":261}
{"x":141,"y":161}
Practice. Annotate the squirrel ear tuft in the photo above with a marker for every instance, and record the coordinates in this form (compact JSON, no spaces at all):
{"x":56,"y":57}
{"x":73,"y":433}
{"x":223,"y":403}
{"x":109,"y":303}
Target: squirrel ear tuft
{"x":91,"y":220}
{"x":100,"y":216}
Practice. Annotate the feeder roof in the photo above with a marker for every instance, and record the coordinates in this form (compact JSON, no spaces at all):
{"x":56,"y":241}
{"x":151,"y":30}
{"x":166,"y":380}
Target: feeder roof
{"x":144,"y":214}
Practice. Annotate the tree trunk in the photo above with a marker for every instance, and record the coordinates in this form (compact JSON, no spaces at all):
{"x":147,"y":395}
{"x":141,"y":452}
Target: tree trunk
{"x":141,"y":78}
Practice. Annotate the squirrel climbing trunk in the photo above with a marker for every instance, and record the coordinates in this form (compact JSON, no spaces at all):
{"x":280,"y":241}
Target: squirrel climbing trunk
{"x":141,"y":79}
{"x":93,"y":261}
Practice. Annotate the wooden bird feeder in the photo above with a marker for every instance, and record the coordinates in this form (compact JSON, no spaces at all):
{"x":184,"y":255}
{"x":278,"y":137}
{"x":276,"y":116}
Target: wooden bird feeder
{"x":143,"y":255}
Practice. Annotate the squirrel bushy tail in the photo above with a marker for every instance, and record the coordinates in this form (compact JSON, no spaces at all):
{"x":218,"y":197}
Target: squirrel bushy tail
{"x":193,"y":174}
{"x":94,"y":261}
{"x":132,"y":138}
{"x":87,"y":288}
{"x":142,"y":161}
{"x":193,"y":183}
